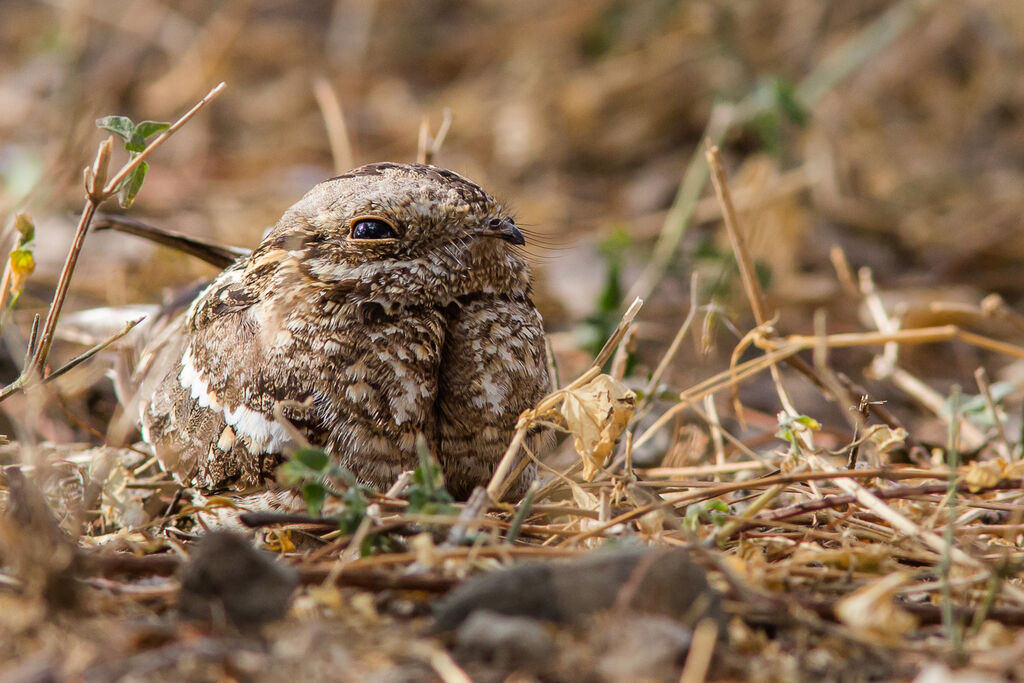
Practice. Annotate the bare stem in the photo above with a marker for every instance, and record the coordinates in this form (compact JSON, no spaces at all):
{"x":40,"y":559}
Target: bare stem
{"x":50,"y":326}
{"x":94,"y":197}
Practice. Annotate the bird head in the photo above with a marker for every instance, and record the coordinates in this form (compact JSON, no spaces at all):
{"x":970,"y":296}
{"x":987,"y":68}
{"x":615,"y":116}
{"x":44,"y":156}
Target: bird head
{"x":400,"y":231}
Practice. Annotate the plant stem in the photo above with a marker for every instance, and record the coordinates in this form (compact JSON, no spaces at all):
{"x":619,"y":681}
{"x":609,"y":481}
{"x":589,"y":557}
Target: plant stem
{"x":46,"y":339}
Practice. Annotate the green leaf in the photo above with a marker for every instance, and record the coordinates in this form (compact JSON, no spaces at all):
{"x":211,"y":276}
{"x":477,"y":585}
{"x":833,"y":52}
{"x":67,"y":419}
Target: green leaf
{"x":355,"y":500}
{"x":785,"y":96}
{"x":314,"y":493}
{"x":427,"y":494}
{"x":718,"y":505}
{"x":291,"y":473}
{"x":313,"y":458}
{"x":788,"y":424}
{"x":808,"y":422}
{"x":767,"y":125}
{"x":355,"y":509}
{"x":147,"y":129}
{"x":366,"y":547}
{"x":132,"y":184}
{"x":972,"y":405}
{"x":136,"y":144}
{"x":1001,"y":390}
{"x":121,"y":126}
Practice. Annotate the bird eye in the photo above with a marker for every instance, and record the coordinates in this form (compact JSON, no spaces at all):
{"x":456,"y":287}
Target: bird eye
{"x":372,"y":229}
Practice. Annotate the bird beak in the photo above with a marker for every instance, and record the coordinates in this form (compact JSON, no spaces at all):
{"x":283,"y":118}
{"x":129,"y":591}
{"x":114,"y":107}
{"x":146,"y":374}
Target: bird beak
{"x":505,"y":229}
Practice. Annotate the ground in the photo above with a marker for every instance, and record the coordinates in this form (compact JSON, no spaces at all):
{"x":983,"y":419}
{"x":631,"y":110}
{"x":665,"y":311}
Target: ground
{"x":855,"y":507}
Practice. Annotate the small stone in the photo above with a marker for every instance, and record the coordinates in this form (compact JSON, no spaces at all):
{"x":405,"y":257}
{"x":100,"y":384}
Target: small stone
{"x":640,"y":647}
{"x":663,"y":582}
{"x":228,"y":580}
{"x":505,"y":642}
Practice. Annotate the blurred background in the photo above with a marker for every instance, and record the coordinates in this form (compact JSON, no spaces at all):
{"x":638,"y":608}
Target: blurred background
{"x":893,"y":130}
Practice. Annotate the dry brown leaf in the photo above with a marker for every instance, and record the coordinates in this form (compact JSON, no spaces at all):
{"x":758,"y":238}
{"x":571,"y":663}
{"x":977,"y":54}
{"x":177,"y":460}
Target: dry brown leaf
{"x":871,"y":609}
{"x":983,"y":475}
{"x":652,"y":523}
{"x":885,"y":438}
{"x":121,"y":507}
{"x":860,"y":558}
{"x":1013,"y":470}
{"x":596,"y":414}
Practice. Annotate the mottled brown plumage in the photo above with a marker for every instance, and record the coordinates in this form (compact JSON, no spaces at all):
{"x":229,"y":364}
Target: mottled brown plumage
{"x":427,"y":329}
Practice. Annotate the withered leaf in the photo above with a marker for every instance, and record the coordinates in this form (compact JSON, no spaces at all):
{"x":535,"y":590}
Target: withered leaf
{"x":596,"y":414}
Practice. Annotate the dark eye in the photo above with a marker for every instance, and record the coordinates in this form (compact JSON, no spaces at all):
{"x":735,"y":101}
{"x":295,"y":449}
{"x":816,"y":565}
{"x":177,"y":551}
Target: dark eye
{"x":372,"y":229}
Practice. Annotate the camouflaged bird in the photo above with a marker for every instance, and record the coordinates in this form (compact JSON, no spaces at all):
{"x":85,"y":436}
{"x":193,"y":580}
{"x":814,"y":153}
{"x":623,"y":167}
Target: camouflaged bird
{"x":388,"y":302}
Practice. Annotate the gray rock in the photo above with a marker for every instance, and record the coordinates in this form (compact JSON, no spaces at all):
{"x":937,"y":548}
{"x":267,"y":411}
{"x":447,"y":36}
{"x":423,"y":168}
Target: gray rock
{"x":505,"y":642}
{"x":656,"y":581}
{"x":640,"y":647}
{"x":228,"y":580}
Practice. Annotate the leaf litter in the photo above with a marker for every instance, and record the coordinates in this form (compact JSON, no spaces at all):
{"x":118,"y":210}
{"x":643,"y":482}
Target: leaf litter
{"x":864,"y":523}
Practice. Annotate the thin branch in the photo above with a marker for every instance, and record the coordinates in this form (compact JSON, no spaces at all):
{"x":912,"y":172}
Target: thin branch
{"x":890,"y":493}
{"x":620,"y":331}
{"x":94,"y":179}
{"x":215,"y":254}
{"x":115,"y":182}
{"x":49,"y":327}
{"x":86,"y":355}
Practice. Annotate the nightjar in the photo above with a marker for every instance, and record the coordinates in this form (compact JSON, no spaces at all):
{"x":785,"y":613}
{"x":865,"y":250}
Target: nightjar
{"x":388,"y":302}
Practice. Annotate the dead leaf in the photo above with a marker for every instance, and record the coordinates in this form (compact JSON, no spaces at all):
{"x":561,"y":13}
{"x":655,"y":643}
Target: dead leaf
{"x":983,"y":475}
{"x":596,"y":414}
{"x":121,"y":507}
{"x":1013,"y":470}
{"x":860,"y":558}
{"x":871,"y":609}
{"x":652,"y":523}
{"x":884,"y":438}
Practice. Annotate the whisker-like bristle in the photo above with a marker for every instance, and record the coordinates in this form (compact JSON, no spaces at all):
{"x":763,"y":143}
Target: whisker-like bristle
{"x":544,"y":239}
{"x":448,"y":250}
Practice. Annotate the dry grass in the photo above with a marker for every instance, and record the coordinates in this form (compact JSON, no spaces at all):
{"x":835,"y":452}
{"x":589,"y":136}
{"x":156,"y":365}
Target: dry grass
{"x":840,"y":446}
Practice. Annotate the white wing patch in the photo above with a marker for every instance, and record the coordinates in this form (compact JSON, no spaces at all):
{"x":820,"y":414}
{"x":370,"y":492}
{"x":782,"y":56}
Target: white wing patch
{"x":262,"y":435}
{"x":190,"y":378}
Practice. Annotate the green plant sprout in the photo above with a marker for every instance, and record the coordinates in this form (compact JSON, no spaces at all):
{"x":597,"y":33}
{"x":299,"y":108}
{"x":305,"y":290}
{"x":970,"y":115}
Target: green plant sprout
{"x":713,"y":511}
{"x":134,"y":136}
{"x":975,"y":408}
{"x":318,"y":478}
{"x":790,"y":427}
{"x":427,"y":494}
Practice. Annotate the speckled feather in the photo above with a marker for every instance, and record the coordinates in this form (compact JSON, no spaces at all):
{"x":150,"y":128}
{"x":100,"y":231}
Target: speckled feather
{"x":433,"y":332}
